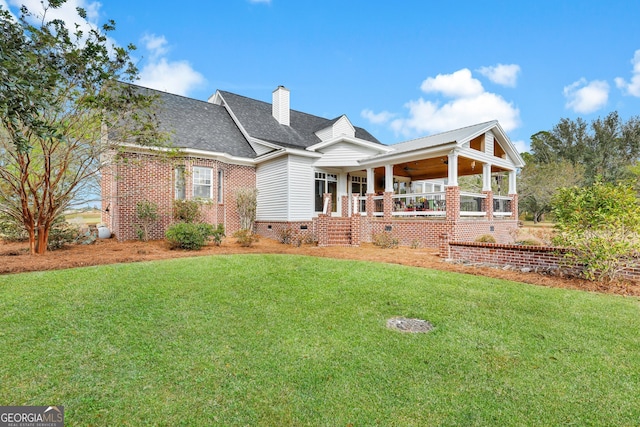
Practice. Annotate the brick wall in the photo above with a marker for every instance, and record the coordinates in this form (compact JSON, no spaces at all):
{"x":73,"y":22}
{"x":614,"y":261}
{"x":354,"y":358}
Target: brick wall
{"x":136,"y":177}
{"x":537,"y":258}
{"x":300,"y":230}
{"x":427,"y":232}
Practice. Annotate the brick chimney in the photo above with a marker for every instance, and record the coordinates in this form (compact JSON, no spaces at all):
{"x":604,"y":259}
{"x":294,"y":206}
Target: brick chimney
{"x":280,"y":105}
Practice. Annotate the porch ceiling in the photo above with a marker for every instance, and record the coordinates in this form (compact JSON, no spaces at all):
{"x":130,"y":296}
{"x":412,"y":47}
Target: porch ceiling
{"x":436,"y":168}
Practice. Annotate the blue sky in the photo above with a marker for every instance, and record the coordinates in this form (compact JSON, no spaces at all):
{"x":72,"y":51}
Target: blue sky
{"x":400,"y":69}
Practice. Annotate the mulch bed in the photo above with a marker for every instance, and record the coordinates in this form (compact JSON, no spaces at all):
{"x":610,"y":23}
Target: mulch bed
{"x":14,"y":258}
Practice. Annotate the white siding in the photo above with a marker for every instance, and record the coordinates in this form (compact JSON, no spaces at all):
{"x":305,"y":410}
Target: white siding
{"x":280,"y":105}
{"x":285,"y":189}
{"x":325,"y":134}
{"x":301,"y":180}
{"x":272,"y":183}
{"x":488,"y":143}
{"x":343,"y":127}
{"x":260,"y":149}
{"x":343,"y":154}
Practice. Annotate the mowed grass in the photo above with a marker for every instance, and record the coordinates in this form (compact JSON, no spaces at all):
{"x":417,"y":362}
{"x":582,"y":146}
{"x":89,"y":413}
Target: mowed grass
{"x":288,"y":340}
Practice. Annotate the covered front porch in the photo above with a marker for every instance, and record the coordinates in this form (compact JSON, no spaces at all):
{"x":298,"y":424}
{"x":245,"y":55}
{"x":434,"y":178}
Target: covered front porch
{"x":415,"y":192}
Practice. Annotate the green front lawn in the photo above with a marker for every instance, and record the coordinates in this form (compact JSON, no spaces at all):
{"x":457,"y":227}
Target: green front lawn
{"x":289,"y":340}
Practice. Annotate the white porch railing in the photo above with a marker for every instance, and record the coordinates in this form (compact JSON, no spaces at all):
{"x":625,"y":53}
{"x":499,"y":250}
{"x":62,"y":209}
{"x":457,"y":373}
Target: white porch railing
{"x":471,"y":204}
{"x":378,"y":205}
{"x":419,"y":204}
{"x":434,"y":205}
{"x":502,"y":205}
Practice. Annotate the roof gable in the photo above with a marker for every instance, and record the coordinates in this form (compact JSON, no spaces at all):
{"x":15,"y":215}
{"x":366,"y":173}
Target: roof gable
{"x":463,"y":139}
{"x":340,"y":126}
{"x":257,"y":119}
{"x":199,"y":125}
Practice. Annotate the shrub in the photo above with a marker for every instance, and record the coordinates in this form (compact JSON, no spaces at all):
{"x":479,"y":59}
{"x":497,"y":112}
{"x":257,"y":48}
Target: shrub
{"x":11,"y":230}
{"x":218,"y":235}
{"x":385,"y":240}
{"x":601,"y":226}
{"x":62,"y":233}
{"x":285,"y":235}
{"x":415,"y":244}
{"x":308,"y":239}
{"x":486,"y":238}
{"x":188,"y":235}
{"x":529,"y":242}
{"x":247,"y":203}
{"x":147,"y":214}
{"x":245,"y":237}
{"x":186,"y":211}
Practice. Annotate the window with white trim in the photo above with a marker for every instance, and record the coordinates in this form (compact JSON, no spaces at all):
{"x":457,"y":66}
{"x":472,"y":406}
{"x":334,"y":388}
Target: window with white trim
{"x":326,"y":183}
{"x":179,"y":184}
{"x":220,"y":176}
{"x":202,"y":182}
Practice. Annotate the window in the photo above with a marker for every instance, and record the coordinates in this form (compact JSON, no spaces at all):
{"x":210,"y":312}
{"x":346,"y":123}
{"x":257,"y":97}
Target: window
{"x":220,"y":176}
{"x":202,"y":182}
{"x":359,"y":186}
{"x":326,"y":183}
{"x":179,"y":183}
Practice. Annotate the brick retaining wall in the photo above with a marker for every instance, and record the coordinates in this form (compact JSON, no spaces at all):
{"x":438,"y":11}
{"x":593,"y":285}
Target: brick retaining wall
{"x":537,"y":258}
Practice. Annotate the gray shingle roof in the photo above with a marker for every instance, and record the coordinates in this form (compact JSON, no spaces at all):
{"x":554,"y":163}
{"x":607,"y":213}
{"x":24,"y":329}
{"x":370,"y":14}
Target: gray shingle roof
{"x":256,"y":118}
{"x":200,"y":125}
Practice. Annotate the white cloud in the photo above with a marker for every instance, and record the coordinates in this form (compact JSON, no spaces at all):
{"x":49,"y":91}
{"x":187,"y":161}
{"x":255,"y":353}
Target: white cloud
{"x":177,"y":77}
{"x":158,"y":73}
{"x":458,"y":84}
{"x":521,"y":146}
{"x":586,"y":97}
{"x":377,"y":118}
{"x":469,"y":104}
{"x":502,"y":74}
{"x":431,"y":117}
{"x":156,"y":45}
{"x":66,"y":12}
{"x":633,"y":87}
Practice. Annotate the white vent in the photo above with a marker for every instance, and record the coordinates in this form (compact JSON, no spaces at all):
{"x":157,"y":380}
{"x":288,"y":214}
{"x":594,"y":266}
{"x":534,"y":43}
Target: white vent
{"x":280,"y":105}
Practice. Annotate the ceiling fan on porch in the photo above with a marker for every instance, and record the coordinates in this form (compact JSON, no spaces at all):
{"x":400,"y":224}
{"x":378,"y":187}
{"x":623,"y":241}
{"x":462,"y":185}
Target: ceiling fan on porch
{"x":407,"y":168}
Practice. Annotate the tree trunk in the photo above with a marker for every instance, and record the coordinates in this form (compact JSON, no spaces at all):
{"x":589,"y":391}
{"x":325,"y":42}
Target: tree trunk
{"x":43,"y":239}
{"x":32,"y":241}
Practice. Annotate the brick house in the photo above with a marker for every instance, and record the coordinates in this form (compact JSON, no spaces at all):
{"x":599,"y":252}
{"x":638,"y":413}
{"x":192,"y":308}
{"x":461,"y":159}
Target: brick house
{"x":316,"y":177}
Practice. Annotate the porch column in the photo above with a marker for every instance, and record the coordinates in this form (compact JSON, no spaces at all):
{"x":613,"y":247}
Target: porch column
{"x":388,"y":191}
{"x":452,"y":168}
{"x":513,"y":193}
{"x":488,"y":204}
{"x":487,"y":191}
{"x":371,"y":191}
{"x":388,"y":178}
{"x":370,"y":181}
{"x":486,"y":177}
{"x":370,"y":205}
{"x":343,"y":191}
{"x":512,"y":182}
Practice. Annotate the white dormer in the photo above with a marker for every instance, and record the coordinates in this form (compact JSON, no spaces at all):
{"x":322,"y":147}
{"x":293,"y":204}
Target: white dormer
{"x":340,"y":127}
{"x":280,"y":105}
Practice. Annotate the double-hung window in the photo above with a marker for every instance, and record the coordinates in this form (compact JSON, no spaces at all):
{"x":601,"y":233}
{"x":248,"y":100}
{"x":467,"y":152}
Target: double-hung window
{"x":179,"y":183}
{"x":202,"y":182}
